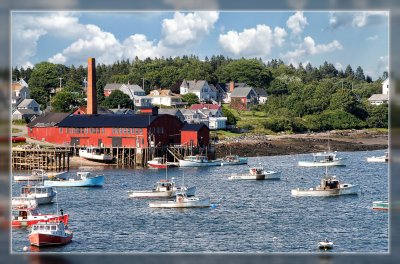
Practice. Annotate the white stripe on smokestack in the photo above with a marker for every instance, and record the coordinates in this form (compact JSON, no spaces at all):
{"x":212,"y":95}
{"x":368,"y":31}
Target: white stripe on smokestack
{"x":91,"y":88}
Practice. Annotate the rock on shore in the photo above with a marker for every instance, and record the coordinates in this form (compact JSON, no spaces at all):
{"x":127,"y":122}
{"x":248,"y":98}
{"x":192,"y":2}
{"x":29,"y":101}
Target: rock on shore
{"x":296,"y":144}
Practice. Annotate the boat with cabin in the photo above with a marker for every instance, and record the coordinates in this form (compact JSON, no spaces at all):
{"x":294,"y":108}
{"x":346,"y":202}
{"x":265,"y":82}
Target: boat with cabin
{"x":199,"y":161}
{"x":234,"y":160}
{"x":82,"y":179}
{"x":159,"y":163}
{"x":257,"y":173}
{"x":52,"y":233}
{"x":326,"y":244}
{"x":323,"y":159}
{"x":380,"y":205}
{"x":163,"y":189}
{"x":43,"y":194}
{"x":384,"y":158}
{"x":329,"y":186}
{"x":182,"y":201}
{"x":24,"y":216}
{"x":95,"y":154}
{"x":24,"y":201}
{"x":39,"y":175}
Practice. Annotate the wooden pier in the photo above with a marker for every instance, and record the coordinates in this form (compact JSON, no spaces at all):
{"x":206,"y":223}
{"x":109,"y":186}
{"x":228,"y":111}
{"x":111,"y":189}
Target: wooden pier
{"x":58,"y":159}
{"x":51,"y":159}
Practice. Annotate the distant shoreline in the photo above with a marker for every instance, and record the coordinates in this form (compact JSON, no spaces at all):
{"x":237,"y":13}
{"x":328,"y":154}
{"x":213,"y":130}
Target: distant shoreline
{"x":261,"y":145}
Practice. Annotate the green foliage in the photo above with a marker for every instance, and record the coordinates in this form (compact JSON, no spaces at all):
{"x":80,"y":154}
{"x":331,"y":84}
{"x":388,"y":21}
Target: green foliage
{"x":190,"y":98}
{"x":231,"y":118}
{"x":278,"y":124}
{"x":117,"y":98}
{"x":378,"y":116}
{"x":333,"y":119}
{"x":65,"y":101}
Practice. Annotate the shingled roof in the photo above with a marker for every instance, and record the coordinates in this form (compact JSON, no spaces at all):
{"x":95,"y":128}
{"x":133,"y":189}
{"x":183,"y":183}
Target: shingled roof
{"x":48,"y":119}
{"x":107,"y":120}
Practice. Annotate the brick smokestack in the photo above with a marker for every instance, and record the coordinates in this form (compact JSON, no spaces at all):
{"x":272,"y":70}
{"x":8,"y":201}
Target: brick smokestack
{"x":91,"y":88}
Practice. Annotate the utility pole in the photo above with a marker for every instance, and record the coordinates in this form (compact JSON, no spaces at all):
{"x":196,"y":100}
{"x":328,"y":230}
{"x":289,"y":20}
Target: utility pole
{"x":60,"y":80}
{"x":143,"y":84}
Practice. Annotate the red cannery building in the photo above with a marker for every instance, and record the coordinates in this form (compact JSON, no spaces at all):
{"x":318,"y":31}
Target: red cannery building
{"x":106,"y":130}
{"x":195,"y":135}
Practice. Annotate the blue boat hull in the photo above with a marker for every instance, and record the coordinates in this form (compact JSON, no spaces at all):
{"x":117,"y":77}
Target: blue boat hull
{"x":97,"y":181}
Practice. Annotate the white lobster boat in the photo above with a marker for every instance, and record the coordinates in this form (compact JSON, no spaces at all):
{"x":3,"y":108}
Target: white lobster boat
{"x":182,"y":201}
{"x":329,"y":186}
{"x":257,"y":173}
{"x":234,"y":160}
{"x":42,"y":194}
{"x":95,"y":154}
{"x":384,"y":158}
{"x":22,"y":201}
{"x":199,"y":161}
{"x":323,"y":159}
{"x":326,"y":244}
{"x":39,"y":175}
{"x":163,"y":189}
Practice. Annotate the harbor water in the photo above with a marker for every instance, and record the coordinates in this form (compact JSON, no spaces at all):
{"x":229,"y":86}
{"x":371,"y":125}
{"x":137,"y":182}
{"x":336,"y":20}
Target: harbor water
{"x":248,"y":216}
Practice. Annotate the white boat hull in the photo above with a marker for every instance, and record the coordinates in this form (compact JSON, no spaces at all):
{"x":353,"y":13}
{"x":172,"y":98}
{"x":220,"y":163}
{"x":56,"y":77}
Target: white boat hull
{"x":95,"y":157}
{"x":29,"y":177}
{"x":377,"y":159}
{"x":268,"y":175}
{"x":197,"y":203}
{"x":188,"y":163}
{"x":191,"y":191}
{"x":321,"y":163}
{"x":325,"y":245}
{"x":343,"y":190}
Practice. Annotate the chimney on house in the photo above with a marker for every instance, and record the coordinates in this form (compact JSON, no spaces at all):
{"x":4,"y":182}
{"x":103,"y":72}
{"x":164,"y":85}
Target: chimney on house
{"x":91,"y":88}
{"x":231,"y":86}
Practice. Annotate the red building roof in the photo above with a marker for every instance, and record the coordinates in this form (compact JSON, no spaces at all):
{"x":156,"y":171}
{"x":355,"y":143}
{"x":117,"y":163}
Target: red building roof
{"x":206,"y":106}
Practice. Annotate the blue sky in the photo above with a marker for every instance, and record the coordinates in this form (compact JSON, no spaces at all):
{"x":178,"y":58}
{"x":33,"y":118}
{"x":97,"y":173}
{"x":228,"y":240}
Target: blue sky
{"x":341,"y":38}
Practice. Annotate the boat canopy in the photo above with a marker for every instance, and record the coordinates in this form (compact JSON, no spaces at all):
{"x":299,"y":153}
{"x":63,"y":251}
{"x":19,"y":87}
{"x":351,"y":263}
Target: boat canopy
{"x":324,"y":154}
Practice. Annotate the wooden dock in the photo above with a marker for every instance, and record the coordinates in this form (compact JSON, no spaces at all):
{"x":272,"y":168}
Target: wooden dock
{"x":57,"y":159}
{"x":51,"y":159}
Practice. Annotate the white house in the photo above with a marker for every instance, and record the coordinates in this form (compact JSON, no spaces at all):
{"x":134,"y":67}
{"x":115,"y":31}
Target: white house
{"x":20,"y":91}
{"x":23,"y":114}
{"x":142,"y":101}
{"x":165,"y":97}
{"x":30,"y":104}
{"x":378,"y":99}
{"x":132,"y":90}
{"x":262,"y":95}
{"x":212,"y":118}
{"x":385,"y":86}
{"x":200,"y":88}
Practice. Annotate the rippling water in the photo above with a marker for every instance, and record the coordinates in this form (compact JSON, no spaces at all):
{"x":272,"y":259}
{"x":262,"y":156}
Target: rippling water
{"x":251,"y":216}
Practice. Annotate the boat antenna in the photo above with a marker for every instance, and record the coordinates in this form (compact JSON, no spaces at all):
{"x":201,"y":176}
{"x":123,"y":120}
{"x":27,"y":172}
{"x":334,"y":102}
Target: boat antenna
{"x":56,"y":202}
{"x":166,"y":172}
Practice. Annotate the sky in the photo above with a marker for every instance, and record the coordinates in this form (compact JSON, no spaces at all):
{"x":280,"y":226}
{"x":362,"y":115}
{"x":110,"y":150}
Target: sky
{"x":341,"y":38}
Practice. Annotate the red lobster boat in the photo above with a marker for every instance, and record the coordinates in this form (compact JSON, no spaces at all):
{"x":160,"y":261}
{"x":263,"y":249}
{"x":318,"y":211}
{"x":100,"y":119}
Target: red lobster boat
{"x":16,"y":139}
{"x":24,"y":216}
{"x":50,"y":234}
{"x":158,"y":163}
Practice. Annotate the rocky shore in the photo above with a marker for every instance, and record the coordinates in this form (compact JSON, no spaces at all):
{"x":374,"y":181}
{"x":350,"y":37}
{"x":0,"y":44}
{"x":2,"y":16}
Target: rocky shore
{"x":262,"y":145}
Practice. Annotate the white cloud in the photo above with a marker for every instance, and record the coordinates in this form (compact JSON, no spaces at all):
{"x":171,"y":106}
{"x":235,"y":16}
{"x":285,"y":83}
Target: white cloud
{"x":256,"y":41}
{"x":187,"y":29}
{"x":297,"y":23}
{"x":374,"y":37}
{"x":357,"y":19}
{"x":58,"y":59}
{"x":178,"y":34}
{"x":308,"y":47}
{"x":338,"y":66}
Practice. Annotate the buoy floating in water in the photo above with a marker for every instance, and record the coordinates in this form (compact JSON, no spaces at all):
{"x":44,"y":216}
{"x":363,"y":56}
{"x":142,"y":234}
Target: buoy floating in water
{"x":25,"y":248}
{"x":213,"y":205}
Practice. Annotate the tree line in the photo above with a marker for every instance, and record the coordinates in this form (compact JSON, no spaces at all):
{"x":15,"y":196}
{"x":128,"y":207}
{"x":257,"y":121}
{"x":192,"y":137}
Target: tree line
{"x":300,"y":98}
